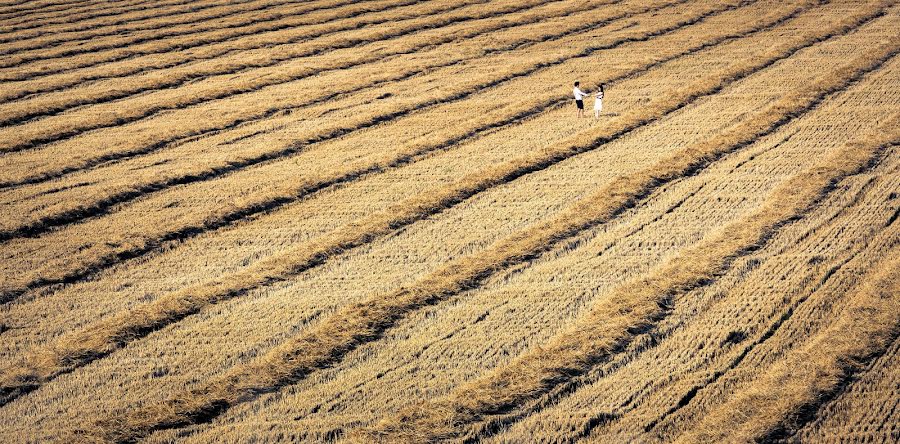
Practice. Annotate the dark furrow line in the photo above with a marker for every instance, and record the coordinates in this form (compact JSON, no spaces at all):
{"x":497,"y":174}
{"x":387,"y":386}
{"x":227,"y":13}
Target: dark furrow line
{"x":273,"y":25}
{"x":30,"y":92}
{"x":191,"y":19}
{"x":363,"y":322}
{"x":113,"y":157}
{"x":566,"y":388}
{"x":177,"y":140}
{"x":14,"y":9}
{"x":453,"y":195}
{"x":64,"y":134}
{"x":86,"y":11}
{"x":280,"y":201}
{"x":193,"y":77}
{"x":56,"y":37}
{"x":785,"y":316}
{"x":650,"y":299}
{"x":64,"y":19}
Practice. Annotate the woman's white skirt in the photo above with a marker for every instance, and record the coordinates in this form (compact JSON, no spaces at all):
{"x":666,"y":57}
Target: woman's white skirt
{"x":598,"y":105}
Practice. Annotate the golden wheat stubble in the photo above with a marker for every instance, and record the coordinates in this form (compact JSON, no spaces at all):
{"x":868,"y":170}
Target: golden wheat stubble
{"x":806,"y":376}
{"x":101,"y":338}
{"x":100,"y":255}
{"x":635,"y":306}
{"x":364,"y":321}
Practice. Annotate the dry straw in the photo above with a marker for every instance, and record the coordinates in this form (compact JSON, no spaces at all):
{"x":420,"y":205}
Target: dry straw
{"x":636,"y":306}
{"x":103,"y":337}
{"x":360,"y":322}
{"x":54,"y":128}
{"x":774,"y":402}
{"x":117,"y":246}
{"x":271,"y":64}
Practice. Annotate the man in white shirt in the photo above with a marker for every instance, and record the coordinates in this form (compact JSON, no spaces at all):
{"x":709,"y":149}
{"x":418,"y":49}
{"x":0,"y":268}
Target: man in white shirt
{"x":579,"y":99}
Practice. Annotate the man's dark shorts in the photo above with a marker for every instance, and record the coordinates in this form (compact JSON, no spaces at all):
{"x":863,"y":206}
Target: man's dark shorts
{"x":579,"y":104}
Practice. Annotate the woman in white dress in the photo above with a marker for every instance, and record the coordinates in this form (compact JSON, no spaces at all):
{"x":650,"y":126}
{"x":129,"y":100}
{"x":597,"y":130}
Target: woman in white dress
{"x":598,"y":101}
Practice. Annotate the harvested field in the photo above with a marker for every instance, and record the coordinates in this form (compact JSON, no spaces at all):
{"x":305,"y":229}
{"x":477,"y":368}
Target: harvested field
{"x":382,"y":221}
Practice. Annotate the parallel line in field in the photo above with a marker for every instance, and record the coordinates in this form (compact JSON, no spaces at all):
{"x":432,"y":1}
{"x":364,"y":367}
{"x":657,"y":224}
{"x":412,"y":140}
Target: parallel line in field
{"x":566,"y":388}
{"x":635,"y":307}
{"x":877,"y":371}
{"x":698,"y":48}
{"x":827,"y":224}
{"x":691,"y":393}
{"x":409,"y":360}
{"x":821,"y":282}
{"x":15,"y":24}
{"x":306,"y":102}
{"x":383,"y":118}
{"x":28,"y":29}
{"x":46,"y":110}
{"x":605,"y":418}
{"x":267,"y":113}
{"x":15,"y":9}
{"x":23,"y":143}
{"x":783,"y":317}
{"x":789,"y":393}
{"x":10,"y":8}
{"x":569,"y":387}
{"x":362,"y":322}
{"x":17,"y":17}
{"x":29,"y":90}
{"x":327,"y":404}
{"x":359,"y":323}
{"x":283,"y":197}
{"x":47,"y":36}
{"x":34,"y":86}
{"x":117,"y":52}
{"x":192,"y":17}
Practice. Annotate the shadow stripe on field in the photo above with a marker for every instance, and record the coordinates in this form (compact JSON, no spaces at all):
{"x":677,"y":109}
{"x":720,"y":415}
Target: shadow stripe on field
{"x":606,"y":419}
{"x":103,"y":337}
{"x":788,"y":394}
{"x":25,"y":69}
{"x":36,"y":111}
{"x":283,"y":197}
{"x":24,"y":15}
{"x":364,"y":321}
{"x":154,"y":144}
{"x":103,"y":29}
{"x":633,"y":308}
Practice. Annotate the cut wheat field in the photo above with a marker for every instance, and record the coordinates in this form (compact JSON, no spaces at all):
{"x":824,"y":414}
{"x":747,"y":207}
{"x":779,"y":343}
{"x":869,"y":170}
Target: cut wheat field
{"x":384,"y":221}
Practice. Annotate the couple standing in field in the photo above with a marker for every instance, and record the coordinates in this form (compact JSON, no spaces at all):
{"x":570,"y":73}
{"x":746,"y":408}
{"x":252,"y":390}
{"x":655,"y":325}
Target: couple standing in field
{"x":579,"y":100}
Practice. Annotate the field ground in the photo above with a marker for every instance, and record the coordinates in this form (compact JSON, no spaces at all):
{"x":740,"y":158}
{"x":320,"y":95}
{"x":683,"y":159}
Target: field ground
{"x":381,"y":221}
